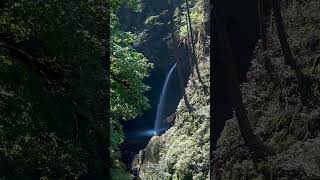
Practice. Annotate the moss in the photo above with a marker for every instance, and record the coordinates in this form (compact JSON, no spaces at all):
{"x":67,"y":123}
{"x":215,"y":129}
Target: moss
{"x":267,"y":169}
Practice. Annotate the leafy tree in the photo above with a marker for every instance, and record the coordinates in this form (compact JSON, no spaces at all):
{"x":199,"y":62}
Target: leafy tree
{"x":54,"y":120}
{"x":53,"y":88}
{"x":127,"y":71}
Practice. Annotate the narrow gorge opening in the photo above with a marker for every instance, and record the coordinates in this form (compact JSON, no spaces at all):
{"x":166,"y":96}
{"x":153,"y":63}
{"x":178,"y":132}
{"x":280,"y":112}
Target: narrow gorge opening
{"x":150,"y":26}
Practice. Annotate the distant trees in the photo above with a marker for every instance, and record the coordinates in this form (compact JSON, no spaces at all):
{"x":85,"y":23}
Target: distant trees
{"x":189,"y":54}
{"x":174,"y":43}
{"x":191,"y":40}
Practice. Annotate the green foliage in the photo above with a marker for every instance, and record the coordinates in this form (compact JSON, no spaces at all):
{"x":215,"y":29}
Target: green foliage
{"x":127,"y":101}
{"x":57,"y":127}
{"x":50,"y":126}
{"x":196,"y":16}
{"x":127,"y":72}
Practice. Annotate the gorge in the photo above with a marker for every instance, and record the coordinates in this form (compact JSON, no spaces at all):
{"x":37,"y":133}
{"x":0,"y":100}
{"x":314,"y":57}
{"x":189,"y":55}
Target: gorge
{"x":152,"y":32}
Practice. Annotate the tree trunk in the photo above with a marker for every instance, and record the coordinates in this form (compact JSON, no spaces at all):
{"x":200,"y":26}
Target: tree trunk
{"x":194,"y":48}
{"x":283,"y":37}
{"x":271,"y":23}
{"x":261,"y":24}
{"x":232,"y":81}
{"x":289,"y":60}
{"x":189,"y":55}
{"x":44,"y":69}
{"x":189,"y":47}
{"x":174,"y":41}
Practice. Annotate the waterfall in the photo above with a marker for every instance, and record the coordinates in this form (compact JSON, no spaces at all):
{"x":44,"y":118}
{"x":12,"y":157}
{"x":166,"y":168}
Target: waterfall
{"x":162,"y":102}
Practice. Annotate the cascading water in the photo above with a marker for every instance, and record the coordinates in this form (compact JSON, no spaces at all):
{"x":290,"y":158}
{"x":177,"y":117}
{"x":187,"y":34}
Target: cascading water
{"x":162,"y":102}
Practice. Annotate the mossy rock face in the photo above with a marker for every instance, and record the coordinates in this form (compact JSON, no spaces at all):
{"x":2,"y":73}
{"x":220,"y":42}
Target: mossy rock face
{"x":156,"y":30}
{"x":182,"y":152}
{"x":152,"y":151}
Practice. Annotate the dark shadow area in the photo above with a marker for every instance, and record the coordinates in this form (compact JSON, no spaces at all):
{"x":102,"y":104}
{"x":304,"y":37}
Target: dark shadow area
{"x":242,"y":26}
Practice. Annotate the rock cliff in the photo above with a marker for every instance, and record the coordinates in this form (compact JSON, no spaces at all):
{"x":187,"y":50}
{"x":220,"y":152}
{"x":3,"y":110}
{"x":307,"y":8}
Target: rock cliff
{"x":182,"y":152}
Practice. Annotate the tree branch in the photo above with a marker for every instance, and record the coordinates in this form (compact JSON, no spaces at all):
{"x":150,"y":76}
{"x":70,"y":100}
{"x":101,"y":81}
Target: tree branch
{"x":125,"y":83}
{"x":44,"y":69}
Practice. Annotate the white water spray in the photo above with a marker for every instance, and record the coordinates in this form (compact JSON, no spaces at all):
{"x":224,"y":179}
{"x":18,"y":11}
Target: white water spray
{"x":161,"y":103}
